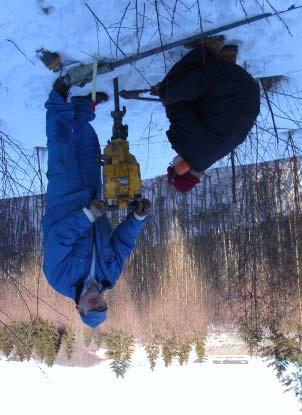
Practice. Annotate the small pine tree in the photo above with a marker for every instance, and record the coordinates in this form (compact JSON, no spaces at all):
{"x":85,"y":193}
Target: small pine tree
{"x":98,"y":338}
{"x":127,"y":347}
{"x":119,"y":367}
{"x":24,"y":339}
{"x":46,"y":341}
{"x":251,"y":334}
{"x":200,"y":347}
{"x":88,"y":336}
{"x":119,"y":349}
{"x":183,"y":352}
{"x":23,"y":342}
{"x":152,"y":351}
{"x":169,"y":350}
{"x":6,"y":341}
{"x":69,"y":341}
{"x":279,"y":366}
{"x":283,"y":348}
{"x":293,"y":381}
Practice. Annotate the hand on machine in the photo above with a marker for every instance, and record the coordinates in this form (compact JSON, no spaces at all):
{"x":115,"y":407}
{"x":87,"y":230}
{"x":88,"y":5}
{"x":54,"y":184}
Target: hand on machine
{"x":141,"y":208}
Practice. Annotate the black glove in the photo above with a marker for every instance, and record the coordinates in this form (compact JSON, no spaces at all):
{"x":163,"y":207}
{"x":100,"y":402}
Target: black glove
{"x":141,"y":208}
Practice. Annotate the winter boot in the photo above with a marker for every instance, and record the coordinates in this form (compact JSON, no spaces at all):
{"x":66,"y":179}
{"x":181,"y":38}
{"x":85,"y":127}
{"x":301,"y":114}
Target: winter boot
{"x":51,"y":60}
{"x":228,"y":54}
{"x":214,"y":43}
{"x":62,"y":86}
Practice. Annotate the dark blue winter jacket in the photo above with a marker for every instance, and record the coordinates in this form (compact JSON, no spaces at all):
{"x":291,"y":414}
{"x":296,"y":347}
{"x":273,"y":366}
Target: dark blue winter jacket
{"x":211,"y":106}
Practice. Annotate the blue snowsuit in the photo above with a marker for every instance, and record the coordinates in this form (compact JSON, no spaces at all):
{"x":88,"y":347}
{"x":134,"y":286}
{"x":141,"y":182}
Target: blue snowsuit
{"x":73,"y":181}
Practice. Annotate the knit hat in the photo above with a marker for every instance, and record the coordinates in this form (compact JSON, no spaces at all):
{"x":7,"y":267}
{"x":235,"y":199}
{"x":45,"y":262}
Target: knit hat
{"x":183,"y":183}
{"x":94,"y":318}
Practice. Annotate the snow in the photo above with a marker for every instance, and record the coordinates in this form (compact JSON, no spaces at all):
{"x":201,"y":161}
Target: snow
{"x":195,"y":388}
{"x":69,"y":28}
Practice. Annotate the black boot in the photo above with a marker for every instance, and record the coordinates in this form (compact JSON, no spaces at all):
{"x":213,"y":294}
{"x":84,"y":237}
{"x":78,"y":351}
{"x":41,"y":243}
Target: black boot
{"x":214,"y":43}
{"x":62,"y":86}
{"x":229,"y":53}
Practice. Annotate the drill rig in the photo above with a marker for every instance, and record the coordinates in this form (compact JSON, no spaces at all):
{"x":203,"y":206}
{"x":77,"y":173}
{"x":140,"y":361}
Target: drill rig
{"x":121,"y":171}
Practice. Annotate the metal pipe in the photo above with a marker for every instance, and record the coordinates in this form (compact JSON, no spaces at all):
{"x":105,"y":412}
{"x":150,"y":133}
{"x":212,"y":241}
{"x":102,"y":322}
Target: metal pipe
{"x":116,"y":94}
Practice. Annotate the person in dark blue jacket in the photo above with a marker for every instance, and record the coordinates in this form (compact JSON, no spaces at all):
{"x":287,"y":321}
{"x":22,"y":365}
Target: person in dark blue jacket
{"x":82,"y":256}
{"x":212,"y":104}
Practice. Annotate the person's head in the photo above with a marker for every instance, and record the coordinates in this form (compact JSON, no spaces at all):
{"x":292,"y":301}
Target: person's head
{"x":182,"y":182}
{"x":92,"y":306}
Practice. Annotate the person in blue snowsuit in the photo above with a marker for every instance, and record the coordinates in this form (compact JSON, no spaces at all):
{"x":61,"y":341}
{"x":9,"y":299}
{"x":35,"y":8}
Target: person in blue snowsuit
{"x":82,"y":256}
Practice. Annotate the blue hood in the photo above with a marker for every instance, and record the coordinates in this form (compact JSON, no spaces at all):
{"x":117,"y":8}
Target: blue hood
{"x":94,"y":318}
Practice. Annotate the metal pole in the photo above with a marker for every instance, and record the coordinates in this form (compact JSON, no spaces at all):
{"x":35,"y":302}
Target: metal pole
{"x":116,"y":95}
{"x":94,"y":76}
{"x":119,"y":130}
{"x":190,"y":39}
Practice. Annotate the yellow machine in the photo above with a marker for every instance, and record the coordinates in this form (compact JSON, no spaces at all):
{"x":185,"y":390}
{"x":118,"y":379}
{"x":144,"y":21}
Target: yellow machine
{"x":121,"y":174}
{"x":121,"y":171}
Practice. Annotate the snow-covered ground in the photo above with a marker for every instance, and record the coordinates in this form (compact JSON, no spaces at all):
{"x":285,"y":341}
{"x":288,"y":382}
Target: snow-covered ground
{"x":196,"y":388}
{"x":266,"y":48}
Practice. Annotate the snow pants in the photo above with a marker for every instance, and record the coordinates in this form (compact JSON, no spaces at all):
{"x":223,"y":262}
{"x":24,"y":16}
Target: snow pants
{"x":74,"y":174}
